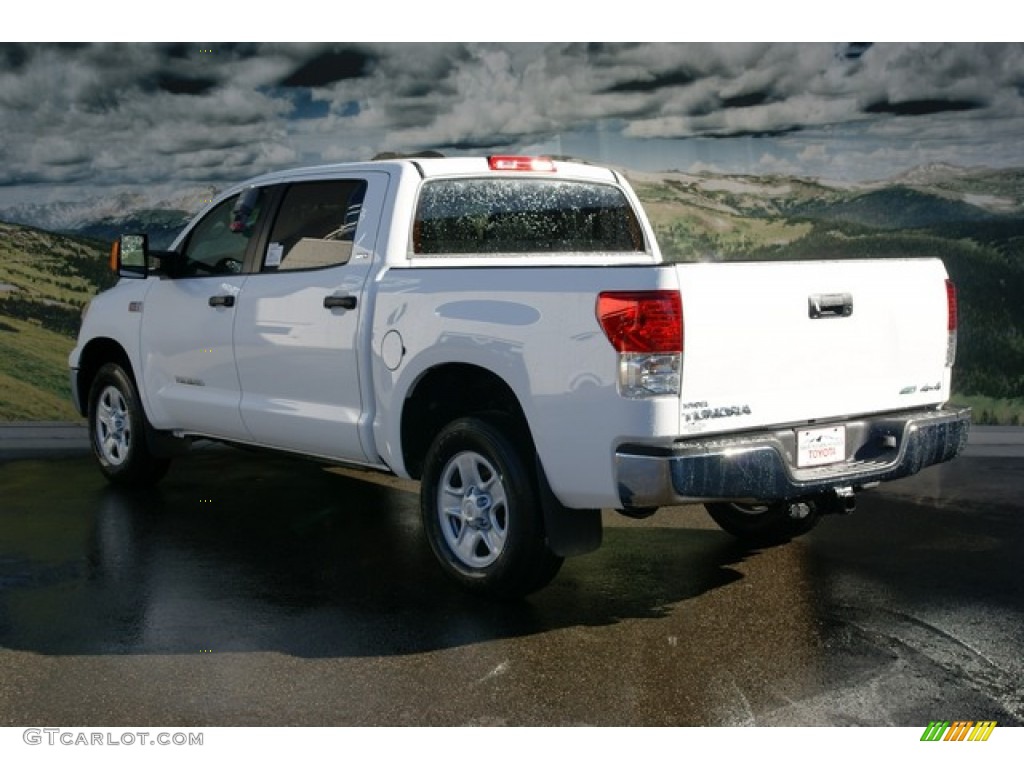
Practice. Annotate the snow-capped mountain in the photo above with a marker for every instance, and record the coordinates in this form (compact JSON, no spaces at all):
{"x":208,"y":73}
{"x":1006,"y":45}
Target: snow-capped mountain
{"x":105,"y":217}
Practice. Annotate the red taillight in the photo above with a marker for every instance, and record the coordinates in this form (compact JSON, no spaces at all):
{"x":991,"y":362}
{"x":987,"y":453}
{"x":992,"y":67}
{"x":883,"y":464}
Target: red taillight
{"x":951,"y":306}
{"x":642,"y":321}
{"x":520,"y":163}
{"x":951,"y":323}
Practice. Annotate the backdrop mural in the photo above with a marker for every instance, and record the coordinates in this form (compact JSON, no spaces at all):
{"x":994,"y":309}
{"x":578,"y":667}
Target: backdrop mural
{"x":767,"y":151}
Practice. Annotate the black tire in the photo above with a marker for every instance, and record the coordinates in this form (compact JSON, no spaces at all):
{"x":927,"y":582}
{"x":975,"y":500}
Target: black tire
{"x":481,"y":511}
{"x":762,"y":524}
{"x":117,"y":430}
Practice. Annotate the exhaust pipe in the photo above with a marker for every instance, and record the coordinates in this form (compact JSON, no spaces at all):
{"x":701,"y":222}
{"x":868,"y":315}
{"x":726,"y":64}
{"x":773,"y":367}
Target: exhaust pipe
{"x":798,"y":510}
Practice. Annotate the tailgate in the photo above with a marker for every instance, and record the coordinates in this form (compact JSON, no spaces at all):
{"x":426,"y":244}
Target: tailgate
{"x":776,"y":343}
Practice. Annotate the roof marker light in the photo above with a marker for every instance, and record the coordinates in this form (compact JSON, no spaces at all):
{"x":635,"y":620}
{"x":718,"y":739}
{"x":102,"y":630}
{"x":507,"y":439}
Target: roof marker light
{"x":520,"y":163}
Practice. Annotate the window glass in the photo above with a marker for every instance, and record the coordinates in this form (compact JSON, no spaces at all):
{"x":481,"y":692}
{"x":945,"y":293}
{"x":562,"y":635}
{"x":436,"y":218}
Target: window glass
{"x":502,"y":215}
{"x":218,"y":243}
{"x":315,"y":226}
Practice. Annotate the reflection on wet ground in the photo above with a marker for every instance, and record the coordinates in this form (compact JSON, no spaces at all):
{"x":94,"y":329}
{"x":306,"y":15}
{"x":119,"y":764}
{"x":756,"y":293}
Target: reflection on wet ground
{"x":249,"y":589}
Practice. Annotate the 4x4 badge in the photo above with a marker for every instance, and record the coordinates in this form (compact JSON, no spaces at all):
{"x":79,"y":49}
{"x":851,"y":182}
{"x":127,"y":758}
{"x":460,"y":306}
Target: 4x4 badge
{"x":716,"y":413}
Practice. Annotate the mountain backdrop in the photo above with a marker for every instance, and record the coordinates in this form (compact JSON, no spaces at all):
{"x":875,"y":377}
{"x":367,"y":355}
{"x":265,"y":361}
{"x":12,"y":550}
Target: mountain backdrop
{"x":54,"y":260}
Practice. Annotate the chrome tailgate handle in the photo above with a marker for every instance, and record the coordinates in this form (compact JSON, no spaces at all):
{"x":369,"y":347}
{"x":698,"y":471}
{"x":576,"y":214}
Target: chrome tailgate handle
{"x":828,"y":305}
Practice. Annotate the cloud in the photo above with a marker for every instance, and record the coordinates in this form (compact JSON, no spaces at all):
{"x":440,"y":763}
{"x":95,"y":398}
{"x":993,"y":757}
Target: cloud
{"x":769,"y":163}
{"x":136,"y":113}
{"x":124,"y":114}
{"x":650,"y":83}
{"x":918,"y":107}
{"x":180,"y":84}
{"x":329,"y":67}
{"x":813,"y":153}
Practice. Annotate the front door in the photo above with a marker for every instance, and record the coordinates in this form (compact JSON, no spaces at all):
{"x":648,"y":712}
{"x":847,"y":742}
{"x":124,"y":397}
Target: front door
{"x":298,"y":322}
{"x":188,"y":321}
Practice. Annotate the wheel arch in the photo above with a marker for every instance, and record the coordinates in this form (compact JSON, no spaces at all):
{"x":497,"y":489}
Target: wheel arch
{"x":97,"y":353}
{"x":451,"y":391}
{"x":447,"y":392}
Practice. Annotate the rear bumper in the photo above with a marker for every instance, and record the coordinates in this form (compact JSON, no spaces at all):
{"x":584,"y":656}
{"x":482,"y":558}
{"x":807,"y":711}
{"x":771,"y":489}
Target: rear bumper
{"x":762,"y":466}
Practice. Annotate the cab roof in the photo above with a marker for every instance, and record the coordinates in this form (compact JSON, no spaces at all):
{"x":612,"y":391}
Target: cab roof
{"x":434,"y":167}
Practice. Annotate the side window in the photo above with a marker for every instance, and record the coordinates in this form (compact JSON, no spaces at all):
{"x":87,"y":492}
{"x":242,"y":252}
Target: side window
{"x":218,"y":243}
{"x":315,"y":226}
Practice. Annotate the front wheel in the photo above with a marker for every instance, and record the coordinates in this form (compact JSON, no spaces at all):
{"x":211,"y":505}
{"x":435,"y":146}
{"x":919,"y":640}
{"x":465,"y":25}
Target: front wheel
{"x":481,"y":511}
{"x":117,"y":430}
{"x":764,"y":524}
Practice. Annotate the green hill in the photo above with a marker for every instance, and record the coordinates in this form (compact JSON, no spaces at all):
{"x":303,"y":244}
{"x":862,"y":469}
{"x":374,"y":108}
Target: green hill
{"x":45,"y":281}
{"x":894,"y":208}
{"x":972,"y":219}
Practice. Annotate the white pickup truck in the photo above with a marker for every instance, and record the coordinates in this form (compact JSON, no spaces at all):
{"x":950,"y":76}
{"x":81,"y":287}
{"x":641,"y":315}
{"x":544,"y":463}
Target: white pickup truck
{"x":505,"y":330}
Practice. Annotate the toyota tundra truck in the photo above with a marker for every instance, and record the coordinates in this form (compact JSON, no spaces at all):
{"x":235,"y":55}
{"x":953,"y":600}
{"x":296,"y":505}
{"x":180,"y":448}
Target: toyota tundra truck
{"x":505,"y":331}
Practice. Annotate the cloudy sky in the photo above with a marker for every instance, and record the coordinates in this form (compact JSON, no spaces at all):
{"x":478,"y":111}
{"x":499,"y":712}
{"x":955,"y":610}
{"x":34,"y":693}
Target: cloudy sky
{"x":87,"y":119}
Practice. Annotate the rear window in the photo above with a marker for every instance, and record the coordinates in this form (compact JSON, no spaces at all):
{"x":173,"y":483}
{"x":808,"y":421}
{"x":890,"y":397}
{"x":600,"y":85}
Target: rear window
{"x":502,"y":215}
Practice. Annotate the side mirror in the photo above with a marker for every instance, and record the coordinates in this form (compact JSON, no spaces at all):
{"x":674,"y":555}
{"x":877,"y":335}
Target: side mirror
{"x":129,"y":256}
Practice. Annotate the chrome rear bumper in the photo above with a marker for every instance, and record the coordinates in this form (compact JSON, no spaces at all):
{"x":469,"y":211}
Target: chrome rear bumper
{"x":762,"y":466}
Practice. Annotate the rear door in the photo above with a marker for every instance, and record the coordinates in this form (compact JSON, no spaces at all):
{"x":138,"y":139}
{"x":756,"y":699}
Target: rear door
{"x":297,"y":328}
{"x":785,"y":342}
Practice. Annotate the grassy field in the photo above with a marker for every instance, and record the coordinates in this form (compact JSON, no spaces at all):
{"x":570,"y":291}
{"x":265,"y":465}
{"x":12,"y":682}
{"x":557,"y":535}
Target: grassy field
{"x":45,"y":280}
{"x":33,"y":376}
{"x":693,"y":225}
{"x":51,"y":268}
{"x":994,"y":411}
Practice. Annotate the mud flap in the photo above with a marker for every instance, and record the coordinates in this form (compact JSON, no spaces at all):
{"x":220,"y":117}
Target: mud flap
{"x":164,"y":444}
{"x":569,"y":532}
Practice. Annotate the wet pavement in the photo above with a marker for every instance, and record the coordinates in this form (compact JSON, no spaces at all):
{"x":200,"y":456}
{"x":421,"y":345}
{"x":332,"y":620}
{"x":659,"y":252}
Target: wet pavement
{"x":255,"y":590}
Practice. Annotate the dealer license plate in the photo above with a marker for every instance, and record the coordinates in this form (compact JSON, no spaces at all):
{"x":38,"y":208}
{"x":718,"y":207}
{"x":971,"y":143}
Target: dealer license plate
{"x":820,"y":446}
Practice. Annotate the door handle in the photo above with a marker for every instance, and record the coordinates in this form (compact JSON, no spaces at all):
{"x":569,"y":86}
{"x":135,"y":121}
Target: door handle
{"x":340,"y":302}
{"x":222,"y":301}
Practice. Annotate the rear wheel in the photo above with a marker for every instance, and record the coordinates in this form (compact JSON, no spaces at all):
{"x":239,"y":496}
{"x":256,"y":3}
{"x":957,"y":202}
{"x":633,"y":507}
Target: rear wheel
{"x":117,"y":430}
{"x":481,"y":511}
{"x":768,"y":523}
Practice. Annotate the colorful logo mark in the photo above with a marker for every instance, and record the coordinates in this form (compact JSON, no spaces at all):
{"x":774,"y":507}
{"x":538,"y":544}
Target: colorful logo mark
{"x":958,"y":730}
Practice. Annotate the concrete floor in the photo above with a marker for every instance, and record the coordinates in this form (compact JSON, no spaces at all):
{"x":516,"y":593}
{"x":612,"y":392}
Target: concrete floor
{"x":249,"y":590}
